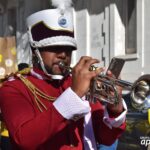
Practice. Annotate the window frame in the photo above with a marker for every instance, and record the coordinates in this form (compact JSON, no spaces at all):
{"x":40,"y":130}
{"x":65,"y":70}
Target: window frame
{"x":114,"y":33}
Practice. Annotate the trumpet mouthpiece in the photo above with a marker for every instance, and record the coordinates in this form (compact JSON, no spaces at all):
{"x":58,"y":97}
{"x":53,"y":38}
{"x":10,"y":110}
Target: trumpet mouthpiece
{"x":61,"y":65}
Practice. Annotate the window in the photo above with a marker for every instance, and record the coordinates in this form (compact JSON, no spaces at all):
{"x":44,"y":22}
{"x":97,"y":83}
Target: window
{"x":130,"y":27}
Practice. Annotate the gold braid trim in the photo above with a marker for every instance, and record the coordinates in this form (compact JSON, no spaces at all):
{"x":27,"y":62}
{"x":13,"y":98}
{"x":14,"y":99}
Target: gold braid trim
{"x":33,"y":89}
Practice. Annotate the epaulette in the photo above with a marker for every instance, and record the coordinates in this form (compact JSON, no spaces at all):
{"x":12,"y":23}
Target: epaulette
{"x":24,"y":71}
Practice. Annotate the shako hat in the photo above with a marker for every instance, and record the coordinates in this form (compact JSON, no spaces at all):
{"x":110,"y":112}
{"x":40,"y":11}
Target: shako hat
{"x":52,"y":27}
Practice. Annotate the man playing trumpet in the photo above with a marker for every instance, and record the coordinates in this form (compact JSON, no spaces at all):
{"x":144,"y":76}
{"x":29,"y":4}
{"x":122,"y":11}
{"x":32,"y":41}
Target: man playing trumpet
{"x":45,"y":109}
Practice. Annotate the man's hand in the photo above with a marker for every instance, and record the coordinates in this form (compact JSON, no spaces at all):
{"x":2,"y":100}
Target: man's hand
{"x":82,"y":76}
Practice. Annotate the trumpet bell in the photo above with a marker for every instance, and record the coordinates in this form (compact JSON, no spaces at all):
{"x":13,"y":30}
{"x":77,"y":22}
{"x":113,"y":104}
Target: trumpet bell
{"x":140,"y":93}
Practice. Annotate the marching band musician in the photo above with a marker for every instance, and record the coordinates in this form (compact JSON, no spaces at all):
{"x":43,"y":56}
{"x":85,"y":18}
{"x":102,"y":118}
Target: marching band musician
{"x":43,"y":108}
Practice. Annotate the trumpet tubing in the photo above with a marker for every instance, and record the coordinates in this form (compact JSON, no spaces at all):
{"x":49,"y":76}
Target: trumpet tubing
{"x":102,"y":87}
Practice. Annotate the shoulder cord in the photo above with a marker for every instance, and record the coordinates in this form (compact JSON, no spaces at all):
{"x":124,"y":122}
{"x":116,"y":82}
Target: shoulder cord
{"x":33,"y":89}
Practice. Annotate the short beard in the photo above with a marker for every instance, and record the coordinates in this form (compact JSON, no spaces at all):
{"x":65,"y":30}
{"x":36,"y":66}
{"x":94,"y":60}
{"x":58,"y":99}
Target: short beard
{"x":49,"y":70}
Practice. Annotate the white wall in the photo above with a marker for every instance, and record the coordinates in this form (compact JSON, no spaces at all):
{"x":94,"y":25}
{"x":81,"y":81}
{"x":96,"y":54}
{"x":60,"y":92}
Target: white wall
{"x":92,"y":30}
{"x":100,"y":32}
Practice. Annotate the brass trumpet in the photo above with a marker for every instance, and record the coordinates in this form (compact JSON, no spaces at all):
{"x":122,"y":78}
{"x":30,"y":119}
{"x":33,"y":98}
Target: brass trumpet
{"x":103,"y":86}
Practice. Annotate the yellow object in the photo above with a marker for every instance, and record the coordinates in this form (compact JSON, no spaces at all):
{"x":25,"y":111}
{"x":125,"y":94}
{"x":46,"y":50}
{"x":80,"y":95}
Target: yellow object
{"x":4,"y":131}
{"x":13,"y":50}
{"x":1,"y":58}
{"x":149,"y":116}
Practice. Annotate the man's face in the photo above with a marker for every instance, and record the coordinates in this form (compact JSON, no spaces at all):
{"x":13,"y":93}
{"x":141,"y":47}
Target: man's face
{"x":53,"y":55}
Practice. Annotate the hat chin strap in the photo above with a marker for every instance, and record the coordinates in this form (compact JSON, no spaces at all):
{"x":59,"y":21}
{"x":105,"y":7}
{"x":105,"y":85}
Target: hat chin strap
{"x":54,"y":77}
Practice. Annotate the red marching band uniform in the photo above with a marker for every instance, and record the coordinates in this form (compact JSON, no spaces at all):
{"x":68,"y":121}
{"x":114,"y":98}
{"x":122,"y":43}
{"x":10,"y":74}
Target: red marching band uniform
{"x":48,"y":129}
{"x":43,"y":113}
